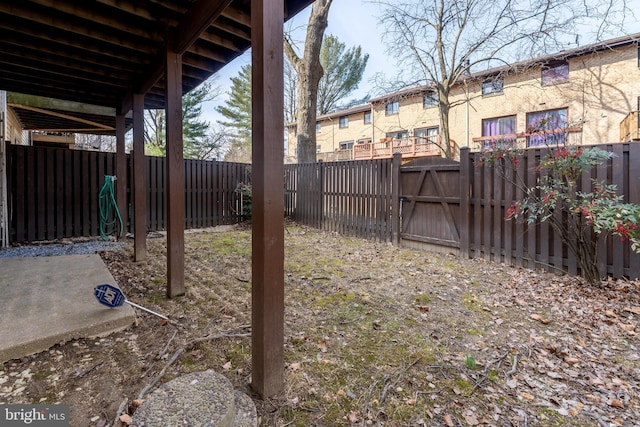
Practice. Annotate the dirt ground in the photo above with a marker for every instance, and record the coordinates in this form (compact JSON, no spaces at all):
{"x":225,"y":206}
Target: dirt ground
{"x":374,"y":335}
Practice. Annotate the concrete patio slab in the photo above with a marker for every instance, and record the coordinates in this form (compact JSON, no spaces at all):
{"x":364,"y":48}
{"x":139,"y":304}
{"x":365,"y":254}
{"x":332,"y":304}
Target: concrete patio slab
{"x":49,"y":300}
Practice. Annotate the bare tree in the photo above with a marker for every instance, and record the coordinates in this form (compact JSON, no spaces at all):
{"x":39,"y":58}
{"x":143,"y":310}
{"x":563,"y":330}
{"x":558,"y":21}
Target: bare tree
{"x":195,"y":131}
{"x":213,"y":144}
{"x":342,"y":72}
{"x":309,"y":73}
{"x":438,"y":41}
{"x":290,"y":94}
{"x":105,"y":143}
{"x":154,"y":131}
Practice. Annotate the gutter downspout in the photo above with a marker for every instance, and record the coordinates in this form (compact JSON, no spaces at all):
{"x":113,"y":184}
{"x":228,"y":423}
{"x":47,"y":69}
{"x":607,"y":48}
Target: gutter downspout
{"x":466,"y":89}
{"x":373,"y":126}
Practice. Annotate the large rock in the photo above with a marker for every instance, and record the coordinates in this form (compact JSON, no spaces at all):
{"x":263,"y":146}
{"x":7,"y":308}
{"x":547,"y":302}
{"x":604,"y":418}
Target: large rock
{"x":199,"y":399}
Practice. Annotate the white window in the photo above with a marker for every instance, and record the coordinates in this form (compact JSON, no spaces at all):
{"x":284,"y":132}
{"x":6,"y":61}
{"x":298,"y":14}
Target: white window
{"x":557,"y":72}
{"x":318,"y":127}
{"x":430,"y":99}
{"x":346,"y":145}
{"x":367,"y":117}
{"x":425,"y":135}
{"x":392,"y":108}
{"x":344,"y":122}
{"x":493,"y":86}
{"x":399,"y":134}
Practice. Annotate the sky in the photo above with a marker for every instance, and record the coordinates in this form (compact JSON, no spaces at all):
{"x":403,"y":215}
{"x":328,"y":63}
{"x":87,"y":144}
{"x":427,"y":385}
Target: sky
{"x":355,"y":22}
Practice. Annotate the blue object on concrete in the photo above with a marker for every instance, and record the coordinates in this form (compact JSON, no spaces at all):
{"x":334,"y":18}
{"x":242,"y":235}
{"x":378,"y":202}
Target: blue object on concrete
{"x":109,"y":295}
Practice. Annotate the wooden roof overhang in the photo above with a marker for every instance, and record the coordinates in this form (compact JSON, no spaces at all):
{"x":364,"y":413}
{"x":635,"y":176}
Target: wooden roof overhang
{"x":100,"y":52}
{"x":130,"y":55}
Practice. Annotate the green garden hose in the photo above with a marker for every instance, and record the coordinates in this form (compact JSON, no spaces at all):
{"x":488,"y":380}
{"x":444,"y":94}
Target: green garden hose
{"x":108,"y":207}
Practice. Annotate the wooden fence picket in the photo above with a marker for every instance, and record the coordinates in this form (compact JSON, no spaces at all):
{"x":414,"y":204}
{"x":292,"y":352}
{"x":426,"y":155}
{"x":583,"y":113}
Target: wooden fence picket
{"x":53,"y":194}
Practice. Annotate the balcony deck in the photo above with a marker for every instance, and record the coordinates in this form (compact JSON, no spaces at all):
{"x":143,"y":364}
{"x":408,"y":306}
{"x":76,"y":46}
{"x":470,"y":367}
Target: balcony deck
{"x":630,"y":127}
{"x":569,"y":136}
{"x":410,"y":148}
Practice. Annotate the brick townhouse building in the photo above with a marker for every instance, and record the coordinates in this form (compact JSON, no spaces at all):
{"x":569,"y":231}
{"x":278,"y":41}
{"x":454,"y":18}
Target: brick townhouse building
{"x":585,"y":95}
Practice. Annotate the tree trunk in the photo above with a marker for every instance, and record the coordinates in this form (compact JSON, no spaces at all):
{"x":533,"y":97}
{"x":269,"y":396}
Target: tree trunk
{"x":306,"y":120}
{"x":580,"y":243}
{"x":445,"y":135}
{"x":309,"y":73}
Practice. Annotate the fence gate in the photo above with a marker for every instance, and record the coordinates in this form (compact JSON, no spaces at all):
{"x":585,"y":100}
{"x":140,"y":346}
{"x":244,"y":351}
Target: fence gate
{"x":430,"y":201}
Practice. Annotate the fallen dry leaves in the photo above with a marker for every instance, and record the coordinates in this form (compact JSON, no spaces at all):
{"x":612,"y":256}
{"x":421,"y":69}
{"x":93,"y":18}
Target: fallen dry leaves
{"x":374,"y":335}
{"x":589,"y":357}
{"x":540,"y":319}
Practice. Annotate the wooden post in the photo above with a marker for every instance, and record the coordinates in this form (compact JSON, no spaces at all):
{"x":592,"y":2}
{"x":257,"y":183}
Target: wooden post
{"x":320,"y":194}
{"x":396,"y":162}
{"x":267,"y":267}
{"x":4,"y":172}
{"x":175,"y":176}
{"x":465,"y":218}
{"x":121,"y":174}
{"x":634,"y":197}
{"x":139,"y":181}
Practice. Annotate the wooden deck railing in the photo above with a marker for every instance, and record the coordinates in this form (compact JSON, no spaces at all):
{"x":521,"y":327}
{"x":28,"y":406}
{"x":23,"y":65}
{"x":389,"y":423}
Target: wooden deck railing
{"x":630,"y":127}
{"x":569,"y":136}
{"x":334,"y":156}
{"x":409,"y":148}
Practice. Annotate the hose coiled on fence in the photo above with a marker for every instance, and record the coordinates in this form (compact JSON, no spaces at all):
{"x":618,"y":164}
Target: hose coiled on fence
{"x":108,"y":208}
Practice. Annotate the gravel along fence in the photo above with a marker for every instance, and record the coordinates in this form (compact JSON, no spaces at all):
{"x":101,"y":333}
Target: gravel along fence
{"x":56,"y":249}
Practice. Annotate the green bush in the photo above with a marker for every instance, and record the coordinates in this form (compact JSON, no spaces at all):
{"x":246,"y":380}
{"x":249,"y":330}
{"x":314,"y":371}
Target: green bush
{"x":600,"y":211}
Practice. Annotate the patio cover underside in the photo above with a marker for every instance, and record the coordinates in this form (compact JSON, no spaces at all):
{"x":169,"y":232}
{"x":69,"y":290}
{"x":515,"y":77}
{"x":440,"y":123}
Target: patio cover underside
{"x":132,"y":55}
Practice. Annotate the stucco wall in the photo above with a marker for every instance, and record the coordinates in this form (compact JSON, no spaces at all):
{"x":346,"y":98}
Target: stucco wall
{"x":603,"y":87}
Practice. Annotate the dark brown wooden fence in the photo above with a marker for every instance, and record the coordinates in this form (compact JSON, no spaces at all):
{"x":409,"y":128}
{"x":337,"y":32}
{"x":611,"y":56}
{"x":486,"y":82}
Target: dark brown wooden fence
{"x":210,"y":197}
{"x":430,"y":201}
{"x":350,"y":197}
{"x":536,"y":245}
{"x":455,"y":205}
{"x":54,"y":192}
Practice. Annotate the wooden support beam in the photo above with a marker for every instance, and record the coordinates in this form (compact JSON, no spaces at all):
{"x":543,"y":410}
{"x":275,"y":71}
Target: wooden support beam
{"x":197,"y":19}
{"x":233,"y":30}
{"x":237,"y":15}
{"x":83,"y":28}
{"x":99,"y":126}
{"x":58,"y":104}
{"x":267,"y":267}
{"x":85,"y":12}
{"x":221,"y":41}
{"x":175,"y":176}
{"x":121,"y":174}
{"x":139,"y":181}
